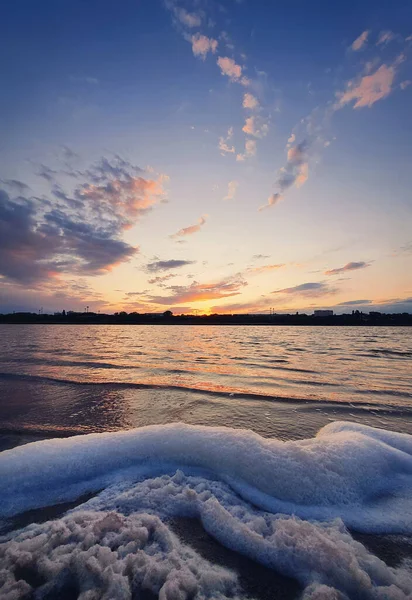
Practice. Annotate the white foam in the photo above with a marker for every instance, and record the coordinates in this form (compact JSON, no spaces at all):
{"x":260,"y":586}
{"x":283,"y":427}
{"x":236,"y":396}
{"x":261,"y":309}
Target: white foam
{"x":360,"y":474}
{"x":116,"y":543}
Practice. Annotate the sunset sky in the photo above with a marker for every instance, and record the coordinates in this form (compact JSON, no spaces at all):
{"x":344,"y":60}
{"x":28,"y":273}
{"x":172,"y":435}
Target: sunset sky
{"x":206,"y":155}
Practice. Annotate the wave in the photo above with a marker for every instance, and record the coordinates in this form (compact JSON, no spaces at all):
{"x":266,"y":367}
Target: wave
{"x":228,"y":393}
{"x":286,"y":505}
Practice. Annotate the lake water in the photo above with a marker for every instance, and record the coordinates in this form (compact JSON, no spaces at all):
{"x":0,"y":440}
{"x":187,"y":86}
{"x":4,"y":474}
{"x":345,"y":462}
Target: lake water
{"x":277,"y":381}
{"x":273,"y":505}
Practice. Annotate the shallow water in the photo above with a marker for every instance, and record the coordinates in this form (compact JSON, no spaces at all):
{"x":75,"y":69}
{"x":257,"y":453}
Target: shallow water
{"x":283,"y":381}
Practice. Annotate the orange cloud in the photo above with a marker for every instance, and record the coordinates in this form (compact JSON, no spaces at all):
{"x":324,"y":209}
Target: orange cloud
{"x":198,"y":292}
{"x":191,"y":229}
{"x":370,"y":88}
{"x":256,"y":127}
{"x":266,"y":268}
{"x":128,"y":198}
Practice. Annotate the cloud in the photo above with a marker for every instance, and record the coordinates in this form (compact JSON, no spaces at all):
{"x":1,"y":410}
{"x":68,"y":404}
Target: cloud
{"x":160,"y":279}
{"x":255,"y":126}
{"x":295,"y":172}
{"x":266,"y":268}
{"x":360,"y":41}
{"x":250,"y":102}
{"x":166,"y":265}
{"x":351,"y":266}
{"x":272,"y":200}
{"x":232,"y":70}
{"x":385,"y":37}
{"x":311,"y":289}
{"x":405,"y":84}
{"x":189,"y":19}
{"x":198,"y":292}
{"x":201,"y":45}
{"x":370,"y":88}
{"x":223,"y":143}
{"x":292,"y":138}
{"x":191,"y":228}
{"x":78,"y":233}
{"x":260,"y":256}
{"x":354,"y":302}
{"x":19,"y":186}
{"x":250,"y":150}
{"x":47,"y":173}
{"x":86,"y":79}
{"x":231,"y":190}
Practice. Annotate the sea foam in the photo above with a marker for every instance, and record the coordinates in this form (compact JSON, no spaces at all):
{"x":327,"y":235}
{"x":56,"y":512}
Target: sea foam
{"x":286,"y":505}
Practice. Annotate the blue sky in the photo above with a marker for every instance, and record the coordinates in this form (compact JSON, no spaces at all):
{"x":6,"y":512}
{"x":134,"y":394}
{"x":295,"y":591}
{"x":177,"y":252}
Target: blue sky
{"x":205,"y":155}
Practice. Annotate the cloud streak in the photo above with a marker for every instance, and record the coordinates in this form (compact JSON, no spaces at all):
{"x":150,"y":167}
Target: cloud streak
{"x":351,"y":266}
{"x":167,"y":265}
{"x":360,"y":41}
{"x":191,"y":229}
{"x":310,"y":289}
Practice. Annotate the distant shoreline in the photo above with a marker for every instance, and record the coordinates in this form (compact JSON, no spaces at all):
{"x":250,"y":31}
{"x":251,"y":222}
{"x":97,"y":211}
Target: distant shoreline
{"x":357,"y":319}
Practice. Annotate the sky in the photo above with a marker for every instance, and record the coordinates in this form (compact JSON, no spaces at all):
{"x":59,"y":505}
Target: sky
{"x":206,"y":156}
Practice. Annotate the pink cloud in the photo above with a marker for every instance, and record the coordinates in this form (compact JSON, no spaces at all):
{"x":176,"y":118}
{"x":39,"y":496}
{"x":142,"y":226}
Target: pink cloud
{"x":191,"y":228}
{"x":360,"y":41}
{"x":229,"y":68}
{"x":201,"y":45}
{"x":250,"y":102}
{"x":370,"y":88}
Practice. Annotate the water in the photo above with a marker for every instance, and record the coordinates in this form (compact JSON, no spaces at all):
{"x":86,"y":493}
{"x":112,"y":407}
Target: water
{"x":278,"y":381}
{"x":229,"y":495}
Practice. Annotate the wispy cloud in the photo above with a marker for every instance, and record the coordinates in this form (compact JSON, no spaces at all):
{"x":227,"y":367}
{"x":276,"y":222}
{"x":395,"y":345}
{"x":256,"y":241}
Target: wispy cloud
{"x":360,"y":41}
{"x":160,"y":279}
{"x":272,"y":201}
{"x":351,"y":266}
{"x":191,"y":229}
{"x":198,"y":292}
{"x":224,"y":147}
{"x":385,"y":37}
{"x":250,"y":150}
{"x":167,"y":265}
{"x":368,"y":89}
{"x":231,"y":190}
{"x":266,"y":268}
{"x":184,"y":17}
{"x":354,"y":303}
{"x":202,"y":45}
{"x":19,"y":186}
{"x":310,"y":289}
